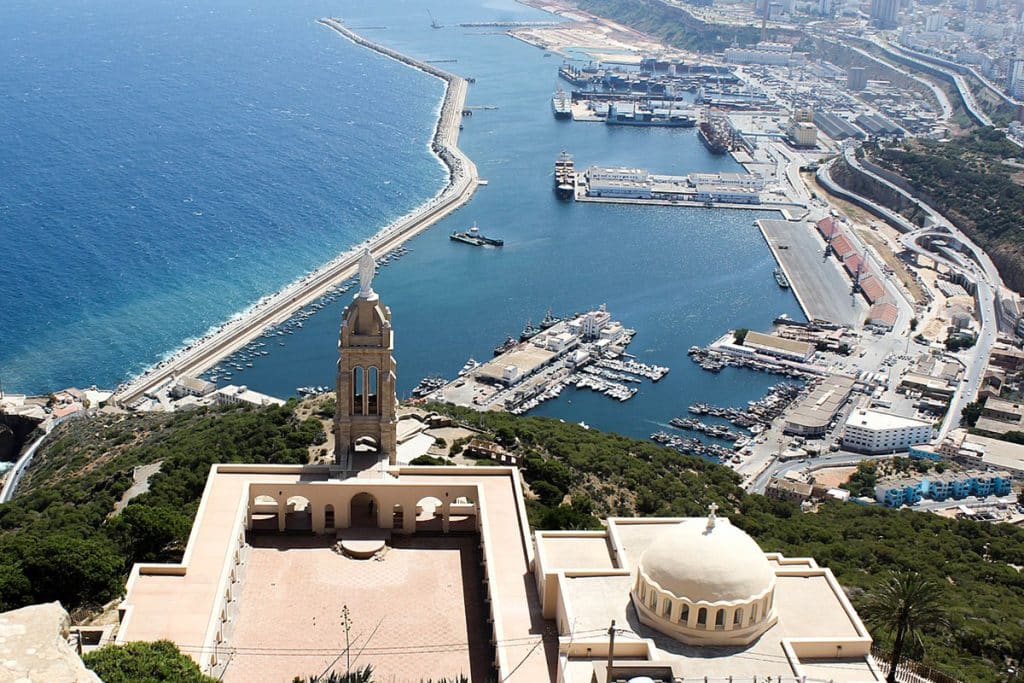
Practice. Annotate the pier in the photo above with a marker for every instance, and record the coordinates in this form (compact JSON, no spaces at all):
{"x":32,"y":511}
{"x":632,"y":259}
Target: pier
{"x":275,"y":309}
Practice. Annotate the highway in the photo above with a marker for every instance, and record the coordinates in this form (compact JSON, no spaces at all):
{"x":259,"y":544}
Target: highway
{"x":985,"y":277}
{"x":205,"y":353}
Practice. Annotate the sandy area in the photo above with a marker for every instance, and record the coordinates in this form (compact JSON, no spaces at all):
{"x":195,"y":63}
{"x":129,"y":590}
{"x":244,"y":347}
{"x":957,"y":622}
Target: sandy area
{"x":832,"y":477}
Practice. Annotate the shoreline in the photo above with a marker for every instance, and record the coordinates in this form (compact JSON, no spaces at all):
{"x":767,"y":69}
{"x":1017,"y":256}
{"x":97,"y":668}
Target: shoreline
{"x":198,"y":356}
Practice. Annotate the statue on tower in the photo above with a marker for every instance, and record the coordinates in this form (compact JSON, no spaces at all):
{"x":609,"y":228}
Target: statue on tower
{"x":367,"y":269}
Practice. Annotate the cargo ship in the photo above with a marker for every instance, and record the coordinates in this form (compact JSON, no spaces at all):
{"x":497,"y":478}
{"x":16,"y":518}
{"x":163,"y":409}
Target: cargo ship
{"x":714,"y":132}
{"x":565,"y":176}
{"x":640,"y":115}
{"x":561,"y":105}
{"x":474,"y":237}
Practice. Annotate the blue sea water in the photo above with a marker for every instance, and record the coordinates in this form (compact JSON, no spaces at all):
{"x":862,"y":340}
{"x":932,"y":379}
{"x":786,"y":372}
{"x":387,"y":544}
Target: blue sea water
{"x":163,"y":165}
{"x":294,"y":144}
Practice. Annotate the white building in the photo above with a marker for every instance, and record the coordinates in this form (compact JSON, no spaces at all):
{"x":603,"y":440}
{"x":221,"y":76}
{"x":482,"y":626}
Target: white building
{"x":778,"y":54}
{"x":750,"y":181}
{"x":725,"y":193}
{"x":875,"y":431}
{"x":636,"y":175}
{"x":618,"y":181}
{"x":595,"y":321}
{"x":192,"y":386}
{"x":234,"y":395}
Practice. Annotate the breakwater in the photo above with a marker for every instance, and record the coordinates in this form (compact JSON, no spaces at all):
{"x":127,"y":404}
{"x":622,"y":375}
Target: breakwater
{"x":462,"y":182}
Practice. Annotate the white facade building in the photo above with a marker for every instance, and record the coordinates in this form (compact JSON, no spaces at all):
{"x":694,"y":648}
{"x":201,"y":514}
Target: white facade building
{"x":875,"y":431}
{"x":234,"y":395}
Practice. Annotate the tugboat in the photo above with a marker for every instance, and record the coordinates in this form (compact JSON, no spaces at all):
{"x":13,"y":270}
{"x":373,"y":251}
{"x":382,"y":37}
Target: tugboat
{"x":780,"y":278}
{"x":474,"y":237}
{"x":565,"y":176}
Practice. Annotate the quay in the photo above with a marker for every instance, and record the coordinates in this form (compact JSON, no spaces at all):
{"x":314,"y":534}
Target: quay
{"x":821,"y":288}
{"x":585,"y":352}
{"x":275,"y":309}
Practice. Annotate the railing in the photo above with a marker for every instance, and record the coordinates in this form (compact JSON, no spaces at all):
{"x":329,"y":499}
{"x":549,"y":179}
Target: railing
{"x":910,"y":671}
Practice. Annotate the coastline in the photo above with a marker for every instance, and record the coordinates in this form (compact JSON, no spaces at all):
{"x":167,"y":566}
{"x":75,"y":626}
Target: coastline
{"x":200,"y":355}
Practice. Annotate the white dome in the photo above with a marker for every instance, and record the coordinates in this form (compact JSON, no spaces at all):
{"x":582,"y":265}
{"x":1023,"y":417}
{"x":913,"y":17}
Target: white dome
{"x":713,"y":563}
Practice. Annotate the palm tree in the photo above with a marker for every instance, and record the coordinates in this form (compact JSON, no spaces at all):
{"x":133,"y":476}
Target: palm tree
{"x":904,"y":605}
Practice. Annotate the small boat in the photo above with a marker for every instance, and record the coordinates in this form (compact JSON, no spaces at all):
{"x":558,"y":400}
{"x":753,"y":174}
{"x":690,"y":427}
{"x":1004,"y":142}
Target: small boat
{"x":529,"y":331}
{"x":780,"y":278}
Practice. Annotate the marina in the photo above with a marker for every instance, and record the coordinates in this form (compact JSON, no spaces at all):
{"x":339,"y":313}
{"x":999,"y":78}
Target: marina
{"x":585,"y":351}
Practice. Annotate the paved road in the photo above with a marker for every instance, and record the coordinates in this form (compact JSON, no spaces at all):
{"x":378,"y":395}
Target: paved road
{"x":985,"y":277}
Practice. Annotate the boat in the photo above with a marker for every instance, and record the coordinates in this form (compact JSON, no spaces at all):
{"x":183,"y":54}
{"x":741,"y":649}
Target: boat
{"x":529,"y":331}
{"x":506,"y":346}
{"x":641,"y":114}
{"x":565,"y":176}
{"x":549,"y":320}
{"x":714,"y":133}
{"x":428,"y":385}
{"x":561,"y":105}
{"x":476,"y":238}
{"x":780,"y":278}
{"x":470,"y":365}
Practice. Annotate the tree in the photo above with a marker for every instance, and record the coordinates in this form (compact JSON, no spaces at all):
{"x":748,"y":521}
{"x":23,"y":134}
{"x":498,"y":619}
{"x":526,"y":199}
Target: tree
{"x":971,"y":412}
{"x":363,"y":675}
{"x":904,"y":605}
{"x":141,"y":662}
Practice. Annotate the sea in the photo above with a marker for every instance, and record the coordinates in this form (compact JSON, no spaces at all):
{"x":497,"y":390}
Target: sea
{"x":165,"y":167}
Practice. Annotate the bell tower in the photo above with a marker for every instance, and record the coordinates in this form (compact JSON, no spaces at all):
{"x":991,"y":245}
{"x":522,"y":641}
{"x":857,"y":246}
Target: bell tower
{"x":365,"y":387}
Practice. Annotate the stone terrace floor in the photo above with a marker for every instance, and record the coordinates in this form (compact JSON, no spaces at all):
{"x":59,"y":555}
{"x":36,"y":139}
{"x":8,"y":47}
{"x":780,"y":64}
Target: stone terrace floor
{"x":419,"y":612}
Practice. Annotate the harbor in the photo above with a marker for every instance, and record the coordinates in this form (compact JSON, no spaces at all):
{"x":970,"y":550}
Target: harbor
{"x":276,"y":309}
{"x":585,"y":351}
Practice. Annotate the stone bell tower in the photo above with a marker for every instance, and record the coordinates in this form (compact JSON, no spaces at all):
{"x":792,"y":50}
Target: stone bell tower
{"x":366,"y":401}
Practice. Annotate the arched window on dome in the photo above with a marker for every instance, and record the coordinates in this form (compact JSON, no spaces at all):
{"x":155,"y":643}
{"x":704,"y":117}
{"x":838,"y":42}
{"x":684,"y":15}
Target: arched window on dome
{"x":753,"y":613}
{"x":737,"y":617}
{"x":719,"y":620}
{"x":702,"y":617}
{"x":666,"y":609}
{"x":684,"y":614}
{"x":643,"y":592}
{"x":654,"y":601}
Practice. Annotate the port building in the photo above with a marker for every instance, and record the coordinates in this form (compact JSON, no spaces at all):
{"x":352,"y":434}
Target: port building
{"x":836,"y":127}
{"x":780,"y":347}
{"x":815,"y":412}
{"x":876,"y":431}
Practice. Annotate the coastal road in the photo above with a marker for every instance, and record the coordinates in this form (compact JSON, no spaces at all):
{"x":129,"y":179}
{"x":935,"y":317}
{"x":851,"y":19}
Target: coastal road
{"x":463,"y":182}
{"x":982,"y":273}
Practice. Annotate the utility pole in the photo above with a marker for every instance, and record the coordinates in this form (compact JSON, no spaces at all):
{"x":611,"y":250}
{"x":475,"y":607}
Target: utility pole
{"x":611,"y":651}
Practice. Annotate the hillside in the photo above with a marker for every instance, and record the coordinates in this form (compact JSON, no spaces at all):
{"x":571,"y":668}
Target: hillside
{"x":608,"y":474}
{"x":976,"y":182}
{"x":59,"y":539}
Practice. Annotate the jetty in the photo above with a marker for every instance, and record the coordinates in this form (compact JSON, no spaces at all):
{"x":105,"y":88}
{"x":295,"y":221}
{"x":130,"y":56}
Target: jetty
{"x":463,"y":179}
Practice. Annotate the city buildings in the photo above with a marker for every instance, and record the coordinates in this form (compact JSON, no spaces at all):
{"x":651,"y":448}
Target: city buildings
{"x":233,"y":395}
{"x":814,"y":413}
{"x":941,"y":487}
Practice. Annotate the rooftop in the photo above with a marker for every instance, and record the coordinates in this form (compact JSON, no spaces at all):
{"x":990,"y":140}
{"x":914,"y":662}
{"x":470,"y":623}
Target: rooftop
{"x":878,"y":420}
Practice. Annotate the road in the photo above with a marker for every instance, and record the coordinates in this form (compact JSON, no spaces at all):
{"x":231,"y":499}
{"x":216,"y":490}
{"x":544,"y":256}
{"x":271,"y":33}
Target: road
{"x":981,"y":272}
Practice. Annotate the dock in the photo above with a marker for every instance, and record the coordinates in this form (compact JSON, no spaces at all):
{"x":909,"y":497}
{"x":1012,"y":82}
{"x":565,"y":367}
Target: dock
{"x":821,"y":288}
{"x":585,"y":352}
{"x":199,"y":356}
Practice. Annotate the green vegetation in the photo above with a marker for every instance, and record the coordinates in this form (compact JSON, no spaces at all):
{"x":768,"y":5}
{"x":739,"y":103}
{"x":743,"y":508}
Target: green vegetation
{"x":674,"y":25}
{"x":862,"y":482}
{"x":967,"y":180}
{"x":905,"y":605}
{"x":960,"y":340}
{"x":430,"y":460}
{"x":144,"y":663}
{"x":972,"y":564}
{"x":971,"y":412}
{"x":59,"y":539}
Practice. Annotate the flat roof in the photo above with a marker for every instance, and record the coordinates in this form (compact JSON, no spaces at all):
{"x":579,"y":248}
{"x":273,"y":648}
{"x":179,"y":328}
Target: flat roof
{"x":781,"y":343}
{"x":178,"y":602}
{"x":878,"y":419}
{"x":527,"y":358}
{"x":819,"y":407}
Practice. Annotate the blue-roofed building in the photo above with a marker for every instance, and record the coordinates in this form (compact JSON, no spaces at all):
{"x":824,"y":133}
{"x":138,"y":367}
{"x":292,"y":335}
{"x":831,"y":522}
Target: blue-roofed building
{"x":900,"y":492}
